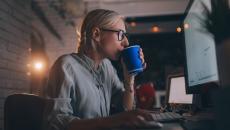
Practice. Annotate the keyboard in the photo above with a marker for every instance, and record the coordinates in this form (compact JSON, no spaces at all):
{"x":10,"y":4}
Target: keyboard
{"x":166,"y":117}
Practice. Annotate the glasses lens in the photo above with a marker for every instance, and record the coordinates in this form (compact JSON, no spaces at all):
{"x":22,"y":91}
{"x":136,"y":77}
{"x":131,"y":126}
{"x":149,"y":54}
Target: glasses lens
{"x":121,"y":35}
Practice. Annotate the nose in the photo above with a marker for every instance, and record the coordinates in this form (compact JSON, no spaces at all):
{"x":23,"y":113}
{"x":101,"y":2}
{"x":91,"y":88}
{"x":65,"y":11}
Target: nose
{"x":125,"y":42}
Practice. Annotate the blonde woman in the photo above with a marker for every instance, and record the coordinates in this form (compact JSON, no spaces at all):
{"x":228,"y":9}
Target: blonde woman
{"x":82,"y":86}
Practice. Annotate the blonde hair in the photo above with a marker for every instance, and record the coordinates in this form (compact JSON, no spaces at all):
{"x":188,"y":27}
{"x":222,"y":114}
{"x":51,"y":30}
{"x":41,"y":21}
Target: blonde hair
{"x":100,"y":18}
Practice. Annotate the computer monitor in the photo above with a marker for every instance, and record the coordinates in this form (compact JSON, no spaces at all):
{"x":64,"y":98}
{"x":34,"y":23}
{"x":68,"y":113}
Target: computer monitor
{"x":176,"y":91}
{"x":201,"y":70}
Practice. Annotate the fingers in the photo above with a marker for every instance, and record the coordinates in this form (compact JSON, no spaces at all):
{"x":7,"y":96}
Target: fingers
{"x":145,"y":65}
{"x":139,"y":121}
{"x":145,"y":114}
{"x":148,"y":116}
{"x":135,"y":122}
{"x":136,"y":118}
{"x":142,"y":58}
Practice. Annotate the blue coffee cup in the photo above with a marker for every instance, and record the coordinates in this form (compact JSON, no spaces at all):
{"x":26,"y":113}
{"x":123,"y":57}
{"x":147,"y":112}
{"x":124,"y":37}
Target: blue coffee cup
{"x":132,"y":59}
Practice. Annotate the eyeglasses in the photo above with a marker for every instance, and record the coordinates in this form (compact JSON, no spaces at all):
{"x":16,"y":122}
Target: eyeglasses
{"x":120,"y":33}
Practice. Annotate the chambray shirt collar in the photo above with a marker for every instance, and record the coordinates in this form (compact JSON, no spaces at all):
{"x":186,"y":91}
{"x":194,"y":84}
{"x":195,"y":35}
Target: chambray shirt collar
{"x":91,"y":63}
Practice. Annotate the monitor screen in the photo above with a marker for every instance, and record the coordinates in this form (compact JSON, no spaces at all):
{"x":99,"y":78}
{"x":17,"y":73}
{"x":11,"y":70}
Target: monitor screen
{"x":177,"y":92}
{"x":201,"y":60}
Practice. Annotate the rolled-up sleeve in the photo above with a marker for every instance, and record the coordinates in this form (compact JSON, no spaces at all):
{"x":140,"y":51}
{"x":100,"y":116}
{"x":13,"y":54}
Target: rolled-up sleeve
{"x":59,"y":93}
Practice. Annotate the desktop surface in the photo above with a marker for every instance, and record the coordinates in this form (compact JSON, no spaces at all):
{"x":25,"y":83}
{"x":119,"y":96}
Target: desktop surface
{"x":172,"y":126}
{"x":205,"y":124}
{"x":166,"y":126}
{"x":204,"y":120}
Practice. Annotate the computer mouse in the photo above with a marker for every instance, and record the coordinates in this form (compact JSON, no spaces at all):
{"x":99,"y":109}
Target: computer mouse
{"x":151,"y":124}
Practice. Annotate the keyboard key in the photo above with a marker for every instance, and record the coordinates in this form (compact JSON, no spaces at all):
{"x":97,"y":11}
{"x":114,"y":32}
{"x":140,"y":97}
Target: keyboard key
{"x":166,"y":117}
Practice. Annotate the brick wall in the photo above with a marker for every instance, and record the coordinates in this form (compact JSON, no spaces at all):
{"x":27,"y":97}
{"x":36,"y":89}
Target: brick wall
{"x":17,"y":22}
{"x":61,"y":42}
{"x":14,"y":44}
{"x":55,"y":47}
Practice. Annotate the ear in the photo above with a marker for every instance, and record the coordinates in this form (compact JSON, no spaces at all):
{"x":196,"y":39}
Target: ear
{"x":96,"y":34}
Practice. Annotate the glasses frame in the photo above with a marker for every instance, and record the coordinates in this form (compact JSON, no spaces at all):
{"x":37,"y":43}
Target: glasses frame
{"x":121,"y":34}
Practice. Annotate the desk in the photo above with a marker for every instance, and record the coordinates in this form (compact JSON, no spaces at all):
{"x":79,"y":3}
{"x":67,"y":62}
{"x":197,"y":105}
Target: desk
{"x":172,"y":126}
{"x":187,"y":125}
{"x":201,"y":121}
{"x":167,"y":126}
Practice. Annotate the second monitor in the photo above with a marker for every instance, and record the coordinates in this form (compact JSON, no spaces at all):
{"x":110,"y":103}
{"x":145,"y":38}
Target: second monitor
{"x":177,"y":92}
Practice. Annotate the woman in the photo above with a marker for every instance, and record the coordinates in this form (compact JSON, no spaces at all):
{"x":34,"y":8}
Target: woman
{"x":82,"y":86}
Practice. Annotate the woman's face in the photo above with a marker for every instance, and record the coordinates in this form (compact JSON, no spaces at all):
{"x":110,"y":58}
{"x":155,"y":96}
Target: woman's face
{"x":110,"y":45}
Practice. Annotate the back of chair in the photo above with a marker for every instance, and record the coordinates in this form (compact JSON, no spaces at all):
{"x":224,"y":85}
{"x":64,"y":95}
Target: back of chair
{"x":23,"y":112}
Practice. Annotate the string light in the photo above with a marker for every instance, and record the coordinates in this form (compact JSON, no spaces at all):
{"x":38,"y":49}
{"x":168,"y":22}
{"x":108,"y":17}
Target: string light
{"x":38,"y":65}
{"x":133,"y":24}
{"x":178,"y":29}
{"x":186,"y":25}
{"x":28,"y":73}
{"x":155,"y":29}
{"x":28,"y":65}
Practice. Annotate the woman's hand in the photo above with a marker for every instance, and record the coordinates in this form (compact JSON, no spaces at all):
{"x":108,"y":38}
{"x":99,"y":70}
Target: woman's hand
{"x":143,"y":59}
{"x":129,"y":78}
{"x":134,"y":118}
{"x":128,"y":97}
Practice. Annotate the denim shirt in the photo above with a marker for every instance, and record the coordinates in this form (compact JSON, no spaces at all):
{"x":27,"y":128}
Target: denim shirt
{"x":78,"y":91}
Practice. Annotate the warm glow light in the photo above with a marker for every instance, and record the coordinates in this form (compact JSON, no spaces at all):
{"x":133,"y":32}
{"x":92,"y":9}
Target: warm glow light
{"x":186,"y":25}
{"x":28,"y":73}
{"x":155,"y":29}
{"x":38,"y":65}
{"x":28,"y":65}
{"x":133,"y":24}
{"x":178,"y":29}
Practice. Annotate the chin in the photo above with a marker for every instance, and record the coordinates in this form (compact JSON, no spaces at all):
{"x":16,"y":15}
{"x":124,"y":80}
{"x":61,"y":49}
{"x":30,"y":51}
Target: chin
{"x":114,"y":58}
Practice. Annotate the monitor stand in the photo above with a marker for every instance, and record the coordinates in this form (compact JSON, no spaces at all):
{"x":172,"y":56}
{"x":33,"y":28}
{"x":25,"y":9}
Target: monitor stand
{"x":205,"y":100}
